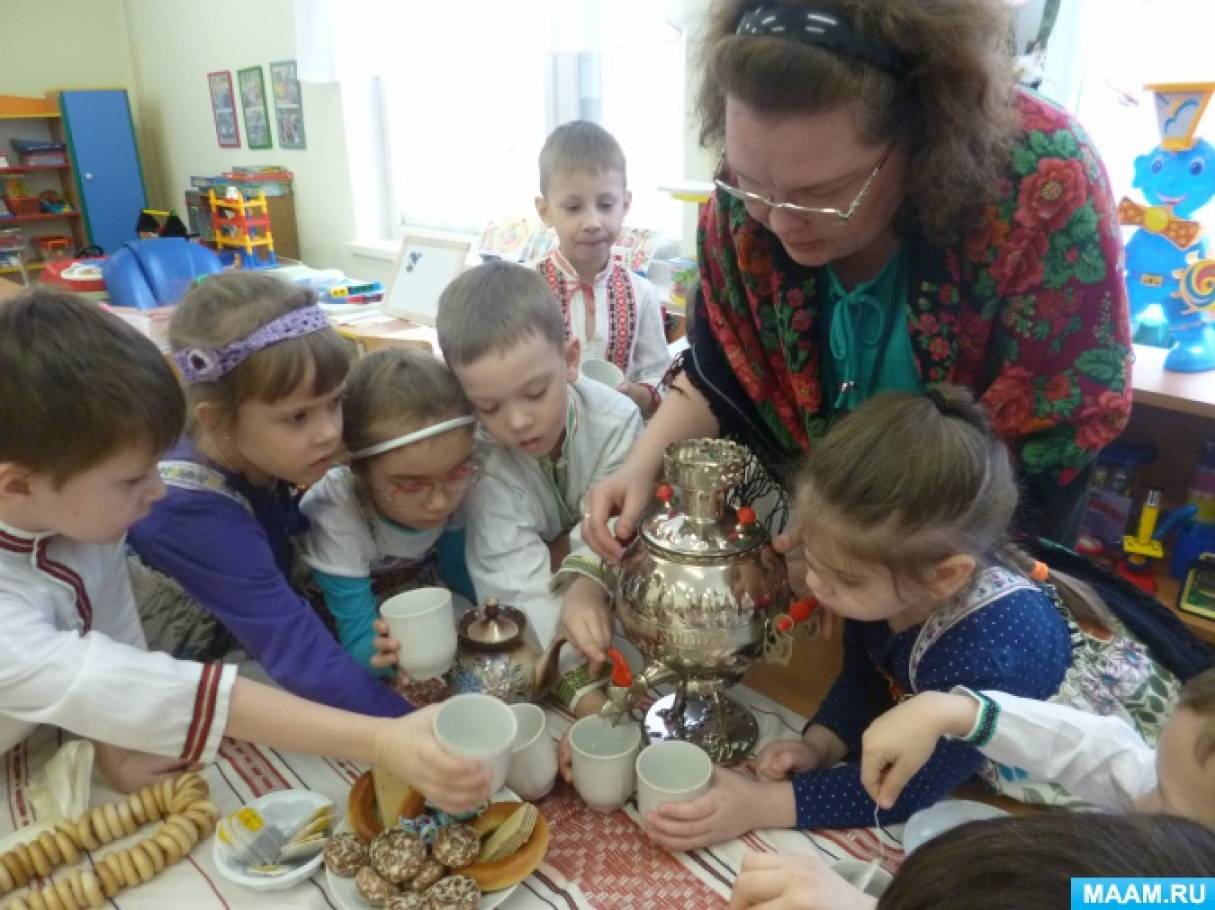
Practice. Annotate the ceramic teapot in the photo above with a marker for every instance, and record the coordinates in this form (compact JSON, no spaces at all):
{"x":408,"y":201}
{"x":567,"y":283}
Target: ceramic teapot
{"x":494,"y":657}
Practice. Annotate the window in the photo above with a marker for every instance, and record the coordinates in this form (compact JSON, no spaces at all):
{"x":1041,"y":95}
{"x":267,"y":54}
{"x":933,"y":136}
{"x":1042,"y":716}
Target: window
{"x":470,"y":90}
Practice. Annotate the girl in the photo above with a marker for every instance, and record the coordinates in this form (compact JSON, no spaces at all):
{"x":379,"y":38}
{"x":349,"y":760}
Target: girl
{"x":904,"y":509}
{"x":386,"y":523}
{"x":263,"y":373}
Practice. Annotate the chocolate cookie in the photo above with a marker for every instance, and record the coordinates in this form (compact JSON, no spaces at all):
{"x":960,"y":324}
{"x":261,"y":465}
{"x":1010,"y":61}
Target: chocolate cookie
{"x":456,"y":892}
{"x":457,"y":846}
{"x":396,"y":854}
{"x":374,"y":889}
{"x":432,"y":870}
{"x":408,"y":900}
{"x":345,"y":854}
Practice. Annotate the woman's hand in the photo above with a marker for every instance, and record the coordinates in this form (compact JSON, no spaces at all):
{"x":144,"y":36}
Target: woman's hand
{"x":586,"y":620}
{"x":407,"y":747}
{"x":625,"y":493}
{"x":736,"y":803}
{"x":780,"y":881}
{"x":127,"y":770}
{"x":900,"y":742}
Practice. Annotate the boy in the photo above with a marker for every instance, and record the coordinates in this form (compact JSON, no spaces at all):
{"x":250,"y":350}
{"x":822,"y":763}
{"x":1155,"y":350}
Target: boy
{"x":87,"y":407}
{"x":612,"y":312}
{"x":556,"y":433}
{"x":1099,"y":759}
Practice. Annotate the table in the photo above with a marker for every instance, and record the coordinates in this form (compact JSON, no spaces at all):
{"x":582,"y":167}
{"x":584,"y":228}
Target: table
{"x":593,"y":861}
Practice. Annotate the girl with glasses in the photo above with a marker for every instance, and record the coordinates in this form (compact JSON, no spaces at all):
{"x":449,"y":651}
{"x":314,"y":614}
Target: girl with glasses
{"x":891,"y":212}
{"x":391,"y":521}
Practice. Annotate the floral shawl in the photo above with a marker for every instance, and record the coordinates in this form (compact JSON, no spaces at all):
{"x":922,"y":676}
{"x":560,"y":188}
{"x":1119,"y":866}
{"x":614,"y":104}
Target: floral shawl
{"x":1029,"y":311}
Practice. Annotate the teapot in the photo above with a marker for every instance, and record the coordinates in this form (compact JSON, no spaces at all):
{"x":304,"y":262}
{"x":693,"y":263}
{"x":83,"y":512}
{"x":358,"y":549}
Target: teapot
{"x":701,"y":593}
{"x":494,"y":658}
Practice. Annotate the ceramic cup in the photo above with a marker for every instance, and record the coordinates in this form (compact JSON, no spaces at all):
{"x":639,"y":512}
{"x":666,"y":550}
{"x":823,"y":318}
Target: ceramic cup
{"x":603,"y":371}
{"x":603,"y":755}
{"x":533,"y":760}
{"x":857,"y":872}
{"x":671,"y":772}
{"x":481,"y":727}
{"x":422,"y":621}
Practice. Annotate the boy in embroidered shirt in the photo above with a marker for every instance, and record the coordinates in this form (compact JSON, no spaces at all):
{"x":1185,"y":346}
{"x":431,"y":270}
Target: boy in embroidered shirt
{"x":87,"y":406}
{"x":612,"y":312}
{"x":556,"y":433}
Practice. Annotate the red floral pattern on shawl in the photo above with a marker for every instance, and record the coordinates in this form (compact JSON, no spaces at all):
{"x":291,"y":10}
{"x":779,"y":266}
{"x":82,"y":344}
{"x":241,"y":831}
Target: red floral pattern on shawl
{"x":1029,"y":310}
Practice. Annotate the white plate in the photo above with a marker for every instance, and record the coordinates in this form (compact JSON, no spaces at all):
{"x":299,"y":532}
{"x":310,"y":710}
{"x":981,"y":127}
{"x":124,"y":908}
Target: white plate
{"x":284,"y":808}
{"x":941,"y":817}
{"x":347,"y":896}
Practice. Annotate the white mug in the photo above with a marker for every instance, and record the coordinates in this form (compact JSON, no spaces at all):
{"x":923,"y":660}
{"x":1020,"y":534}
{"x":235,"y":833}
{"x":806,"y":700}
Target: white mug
{"x":603,"y":371}
{"x":603,"y":757}
{"x":671,"y":772}
{"x":480,"y":727}
{"x":533,"y":761}
{"x":423,"y":622}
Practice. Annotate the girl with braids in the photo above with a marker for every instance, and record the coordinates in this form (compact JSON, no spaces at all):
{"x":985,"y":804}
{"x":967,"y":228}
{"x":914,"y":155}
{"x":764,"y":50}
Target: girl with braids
{"x":891,"y":211}
{"x":905,"y":507}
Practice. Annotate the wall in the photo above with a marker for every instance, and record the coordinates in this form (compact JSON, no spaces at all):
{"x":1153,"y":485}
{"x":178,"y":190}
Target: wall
{"x":173,"y":46}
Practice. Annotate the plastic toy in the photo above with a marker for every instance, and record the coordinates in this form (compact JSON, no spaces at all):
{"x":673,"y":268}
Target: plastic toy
{"x":1177,"y":178}
{"x":243,"y":225}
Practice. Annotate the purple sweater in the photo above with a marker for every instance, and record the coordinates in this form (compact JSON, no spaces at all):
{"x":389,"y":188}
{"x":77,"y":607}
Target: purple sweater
{"x":236,"y":566}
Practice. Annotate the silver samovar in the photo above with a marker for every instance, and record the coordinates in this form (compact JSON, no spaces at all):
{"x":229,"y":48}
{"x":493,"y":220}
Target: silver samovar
{"x":701,"y":593}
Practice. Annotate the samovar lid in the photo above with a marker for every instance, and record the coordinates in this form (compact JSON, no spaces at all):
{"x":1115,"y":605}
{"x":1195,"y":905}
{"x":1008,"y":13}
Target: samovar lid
{"x":494,"y":628}
{"x":693,"y":519}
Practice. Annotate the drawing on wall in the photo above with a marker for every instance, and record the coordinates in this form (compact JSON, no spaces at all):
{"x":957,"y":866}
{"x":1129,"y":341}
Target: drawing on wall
{"x":288,"y":105}
{"x":223,"y":107}
{"x":252,"y":87}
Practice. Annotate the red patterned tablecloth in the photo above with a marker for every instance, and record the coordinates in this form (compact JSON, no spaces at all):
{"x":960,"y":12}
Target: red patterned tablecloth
{"x":594,"y":860}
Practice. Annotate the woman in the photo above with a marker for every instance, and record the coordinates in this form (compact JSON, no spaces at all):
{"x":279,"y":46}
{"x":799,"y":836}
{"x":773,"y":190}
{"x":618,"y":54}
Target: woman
{"x":891,"y":212}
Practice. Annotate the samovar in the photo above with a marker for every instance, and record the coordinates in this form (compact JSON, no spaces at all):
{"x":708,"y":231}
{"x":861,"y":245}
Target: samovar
{"x":701,"y":593}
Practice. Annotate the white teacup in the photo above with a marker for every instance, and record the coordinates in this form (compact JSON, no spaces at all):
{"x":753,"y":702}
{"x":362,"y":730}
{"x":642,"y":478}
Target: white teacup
{"x":603,"y":371}
{"x":533,"y":761}
{"x":603,"y":757}
{"x":671,"y":772}
{"x":422,"y":621}
{"x":481,"y":727}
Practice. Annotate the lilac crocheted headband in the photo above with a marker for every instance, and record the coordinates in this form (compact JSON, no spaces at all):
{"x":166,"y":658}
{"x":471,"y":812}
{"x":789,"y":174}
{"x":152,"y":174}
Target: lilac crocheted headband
{"x":208,"y":365}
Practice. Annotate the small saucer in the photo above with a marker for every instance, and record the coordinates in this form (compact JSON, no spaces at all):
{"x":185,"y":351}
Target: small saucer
{"x":286,"y":809}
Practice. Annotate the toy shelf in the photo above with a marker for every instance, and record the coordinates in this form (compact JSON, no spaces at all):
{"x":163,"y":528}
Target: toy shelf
{"x":16,"y":170}
{"x":41,"y":216}
{"x":1186,"y":393}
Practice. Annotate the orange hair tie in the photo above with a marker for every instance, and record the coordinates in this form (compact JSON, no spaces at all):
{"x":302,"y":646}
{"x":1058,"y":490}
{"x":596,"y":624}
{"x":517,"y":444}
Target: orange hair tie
{"x":1039,"y":572}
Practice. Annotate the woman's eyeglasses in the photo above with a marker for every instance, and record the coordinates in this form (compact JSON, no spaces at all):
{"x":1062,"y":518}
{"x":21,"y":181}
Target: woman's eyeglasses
{"x":458,"y":482}
{"x":809,"y":212}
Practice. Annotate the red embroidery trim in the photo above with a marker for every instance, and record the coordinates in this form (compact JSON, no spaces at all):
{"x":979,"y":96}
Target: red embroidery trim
{"x":204,"y":712}
{"x":57,"y":570}
{"x":622,"y":308}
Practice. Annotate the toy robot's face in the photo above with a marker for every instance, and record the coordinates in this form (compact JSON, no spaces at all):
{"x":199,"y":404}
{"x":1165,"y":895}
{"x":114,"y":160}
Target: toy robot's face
{"x":1184,"y":180}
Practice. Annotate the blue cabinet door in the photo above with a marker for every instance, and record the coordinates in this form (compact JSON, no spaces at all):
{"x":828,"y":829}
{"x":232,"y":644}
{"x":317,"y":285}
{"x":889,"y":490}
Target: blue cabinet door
{"x":101,"y":138}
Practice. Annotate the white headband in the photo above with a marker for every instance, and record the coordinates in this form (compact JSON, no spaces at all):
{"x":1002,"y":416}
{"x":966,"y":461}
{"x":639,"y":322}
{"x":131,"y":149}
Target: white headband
{"x":416,"y":436}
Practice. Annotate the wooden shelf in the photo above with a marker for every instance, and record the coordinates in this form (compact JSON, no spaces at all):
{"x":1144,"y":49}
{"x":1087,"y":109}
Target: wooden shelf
{"x":32,"y":169}
{"x":1186,"y":393}
{"x":41,"y":216}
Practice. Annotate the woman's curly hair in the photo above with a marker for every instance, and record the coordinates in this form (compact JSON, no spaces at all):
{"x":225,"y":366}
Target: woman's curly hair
{"x":954,"y":109}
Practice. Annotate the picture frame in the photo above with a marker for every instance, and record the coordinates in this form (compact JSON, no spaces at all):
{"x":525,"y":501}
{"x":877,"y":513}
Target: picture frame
{"x":288,"y":105}
{"x":223,"y":109}
{"x":423,"y":268}
{"x":252,"y":85}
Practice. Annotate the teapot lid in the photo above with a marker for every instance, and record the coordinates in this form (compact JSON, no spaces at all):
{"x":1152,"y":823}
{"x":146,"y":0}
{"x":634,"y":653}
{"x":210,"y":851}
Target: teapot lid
{"x":493,"y":628}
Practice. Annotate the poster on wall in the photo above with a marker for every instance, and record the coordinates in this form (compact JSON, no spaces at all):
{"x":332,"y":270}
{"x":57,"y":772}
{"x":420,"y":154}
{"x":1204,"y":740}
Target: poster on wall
{"x":288,"y":106}
{"x":223,"y":107}
{"x":253,"y":102}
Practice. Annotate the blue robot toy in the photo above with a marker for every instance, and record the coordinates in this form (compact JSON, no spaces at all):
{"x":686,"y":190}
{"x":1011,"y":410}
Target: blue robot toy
{"x":1177,"y":178}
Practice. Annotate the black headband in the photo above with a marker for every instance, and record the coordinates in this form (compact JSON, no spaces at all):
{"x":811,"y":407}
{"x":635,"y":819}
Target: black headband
{"x":821,"y":28}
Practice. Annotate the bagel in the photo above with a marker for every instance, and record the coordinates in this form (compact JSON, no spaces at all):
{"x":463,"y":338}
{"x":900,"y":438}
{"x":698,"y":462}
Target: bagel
{"x":365,"y":815}
{"x":512,"y":869}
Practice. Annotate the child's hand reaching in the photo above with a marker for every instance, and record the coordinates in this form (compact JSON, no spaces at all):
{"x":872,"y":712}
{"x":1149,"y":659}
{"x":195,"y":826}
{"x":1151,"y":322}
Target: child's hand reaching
{"x":127,"y":770}
{"x":900,"y":742}
{"x":387,"y":649}
{"x":407,"y":747}
{"x":642,"y":396}
{"x":783,"y":881}
{"x":780,"y":759}
{"x":586,"y":620}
